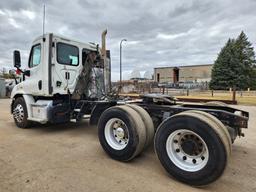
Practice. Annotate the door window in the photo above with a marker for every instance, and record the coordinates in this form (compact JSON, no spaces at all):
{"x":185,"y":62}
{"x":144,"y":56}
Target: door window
{"x":67,"y":54}
{"x":35,"y":56}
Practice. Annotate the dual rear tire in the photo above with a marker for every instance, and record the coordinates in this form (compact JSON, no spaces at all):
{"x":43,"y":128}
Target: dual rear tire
{"x":193,"y":146}
{"x":124,"y":131}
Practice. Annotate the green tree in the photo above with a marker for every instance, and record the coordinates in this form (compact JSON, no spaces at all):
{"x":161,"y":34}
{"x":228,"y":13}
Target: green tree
{"x":222,"y":73}
{"x":253,"y":82}
{"x":246,"y":57}
{"x":235,"y":65}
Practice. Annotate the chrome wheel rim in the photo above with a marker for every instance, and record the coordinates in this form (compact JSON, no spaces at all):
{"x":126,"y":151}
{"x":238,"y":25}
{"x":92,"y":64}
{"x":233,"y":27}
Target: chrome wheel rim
{"x":116,"y":133}
{"x":187,"y":150}
{"x":18,"y":113}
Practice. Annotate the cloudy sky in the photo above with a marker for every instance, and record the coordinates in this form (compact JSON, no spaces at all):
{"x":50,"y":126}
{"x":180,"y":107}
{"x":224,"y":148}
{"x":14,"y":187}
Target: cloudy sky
{"x":159,"y":33}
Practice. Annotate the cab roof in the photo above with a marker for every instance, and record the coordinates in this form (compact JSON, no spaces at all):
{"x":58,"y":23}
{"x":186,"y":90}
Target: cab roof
{"x":91,"y":46}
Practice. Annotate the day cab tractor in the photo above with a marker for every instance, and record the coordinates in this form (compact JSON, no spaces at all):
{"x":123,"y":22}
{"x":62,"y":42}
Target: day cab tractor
{"x":67,"y":80}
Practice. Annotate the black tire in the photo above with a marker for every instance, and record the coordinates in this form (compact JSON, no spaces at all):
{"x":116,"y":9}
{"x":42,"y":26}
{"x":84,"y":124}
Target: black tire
{"x":198,"y":124}
{"x":149,"y":125}
{"x":135,"y":127}
{"x":23,"y":122}
{"x":219,"y":128}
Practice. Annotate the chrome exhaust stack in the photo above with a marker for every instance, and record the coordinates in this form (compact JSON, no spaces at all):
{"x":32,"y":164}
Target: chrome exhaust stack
{"x":106,"y":60}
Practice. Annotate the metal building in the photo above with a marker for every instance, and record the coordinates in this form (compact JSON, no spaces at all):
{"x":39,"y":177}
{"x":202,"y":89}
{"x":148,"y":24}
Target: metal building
{"x":189,"y":73}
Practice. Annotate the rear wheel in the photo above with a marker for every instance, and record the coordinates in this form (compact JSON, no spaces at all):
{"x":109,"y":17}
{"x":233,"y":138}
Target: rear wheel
{"x":149,"y":125}
{"x":219,"y":128}
{"x":20,"y":113}
{"x":190,"y":149}
{"x":122,"y":133}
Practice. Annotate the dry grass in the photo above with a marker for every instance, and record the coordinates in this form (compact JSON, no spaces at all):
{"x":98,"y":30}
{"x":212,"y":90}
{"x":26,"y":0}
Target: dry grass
{"x":245,"y":99}
{"x":242,"y":100}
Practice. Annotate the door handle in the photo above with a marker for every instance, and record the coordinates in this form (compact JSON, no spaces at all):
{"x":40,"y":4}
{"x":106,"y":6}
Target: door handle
{"x":67,"y":75}
{"x":40,"y":84}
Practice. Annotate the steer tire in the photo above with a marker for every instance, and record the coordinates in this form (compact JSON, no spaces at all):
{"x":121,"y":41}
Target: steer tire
{"x":134,"y":127}
{"x":149,"y":125}
{"x":20,"y":105}
{"x":221,"y":129}
{"x":215,"y":150}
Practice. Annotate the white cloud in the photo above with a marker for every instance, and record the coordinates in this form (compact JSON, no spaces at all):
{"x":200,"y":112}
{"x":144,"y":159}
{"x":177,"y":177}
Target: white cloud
{"x":29,"y":14}
{"x":175,"y":36}
{"x":2,"y":12}
{"x":14,"y":23}
{"x":132,"y":42}
{"x":162,"y":52}
{"x":63,"y":30}
{"x":170,"y":36}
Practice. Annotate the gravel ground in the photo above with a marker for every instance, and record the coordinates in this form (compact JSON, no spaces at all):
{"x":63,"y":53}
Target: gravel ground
{"x":69,"y":158}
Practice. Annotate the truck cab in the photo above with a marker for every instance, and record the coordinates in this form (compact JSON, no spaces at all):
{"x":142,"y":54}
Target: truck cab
{"x":52,"y":73}
{"x":53,"y":65}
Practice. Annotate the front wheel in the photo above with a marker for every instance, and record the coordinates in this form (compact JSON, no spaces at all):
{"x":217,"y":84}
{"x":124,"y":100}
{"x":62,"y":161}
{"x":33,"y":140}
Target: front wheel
{"x":190,"y":149}
{"x":20,"y":113}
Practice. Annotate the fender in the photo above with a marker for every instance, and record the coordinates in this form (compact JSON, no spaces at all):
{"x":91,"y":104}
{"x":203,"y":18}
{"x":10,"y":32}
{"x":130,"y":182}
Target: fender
{"x":18,"y":91}
{"x":98,"y":109}
{"x":29,"y":100}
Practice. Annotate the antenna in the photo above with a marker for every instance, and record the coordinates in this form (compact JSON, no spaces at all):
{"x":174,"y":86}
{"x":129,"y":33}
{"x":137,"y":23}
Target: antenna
{"x":43,"y":19}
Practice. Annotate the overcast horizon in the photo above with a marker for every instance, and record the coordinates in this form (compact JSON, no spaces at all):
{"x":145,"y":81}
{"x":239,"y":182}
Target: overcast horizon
{"x":159,"y":34}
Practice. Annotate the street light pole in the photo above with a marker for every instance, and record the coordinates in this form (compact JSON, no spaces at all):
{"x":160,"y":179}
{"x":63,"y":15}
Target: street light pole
{"x":121,"y":63}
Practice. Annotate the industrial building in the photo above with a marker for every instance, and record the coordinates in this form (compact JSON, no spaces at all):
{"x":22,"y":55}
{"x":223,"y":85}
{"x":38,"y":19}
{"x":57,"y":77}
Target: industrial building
{"x":189,"y":73}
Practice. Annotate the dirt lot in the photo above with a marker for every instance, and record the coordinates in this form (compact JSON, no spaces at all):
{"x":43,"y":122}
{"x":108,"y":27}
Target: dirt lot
{"x":69,"y":158}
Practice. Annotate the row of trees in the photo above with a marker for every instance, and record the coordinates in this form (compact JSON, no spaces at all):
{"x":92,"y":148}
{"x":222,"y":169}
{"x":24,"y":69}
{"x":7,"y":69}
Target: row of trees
{"x":235,"y":65}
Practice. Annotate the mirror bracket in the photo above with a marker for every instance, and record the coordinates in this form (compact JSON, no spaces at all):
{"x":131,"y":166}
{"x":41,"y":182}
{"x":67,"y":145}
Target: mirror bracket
{"x":27,"y":73}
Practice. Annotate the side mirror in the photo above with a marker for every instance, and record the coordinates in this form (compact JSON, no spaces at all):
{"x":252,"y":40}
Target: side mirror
{"x":16,"y":59}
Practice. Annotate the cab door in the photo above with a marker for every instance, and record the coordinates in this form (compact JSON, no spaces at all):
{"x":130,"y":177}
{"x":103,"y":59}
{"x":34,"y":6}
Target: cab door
{"x":66,"y":65}
{"x":34,"y":83}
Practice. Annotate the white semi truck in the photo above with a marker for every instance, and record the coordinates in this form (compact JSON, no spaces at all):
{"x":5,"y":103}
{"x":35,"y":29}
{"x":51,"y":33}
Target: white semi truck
{"x":66,"y":80}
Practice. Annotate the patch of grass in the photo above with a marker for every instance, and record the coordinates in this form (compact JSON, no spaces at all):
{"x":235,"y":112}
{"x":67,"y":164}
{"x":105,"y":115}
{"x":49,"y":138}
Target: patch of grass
{"x":244,"y":100}
{"x":247,"y":100}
